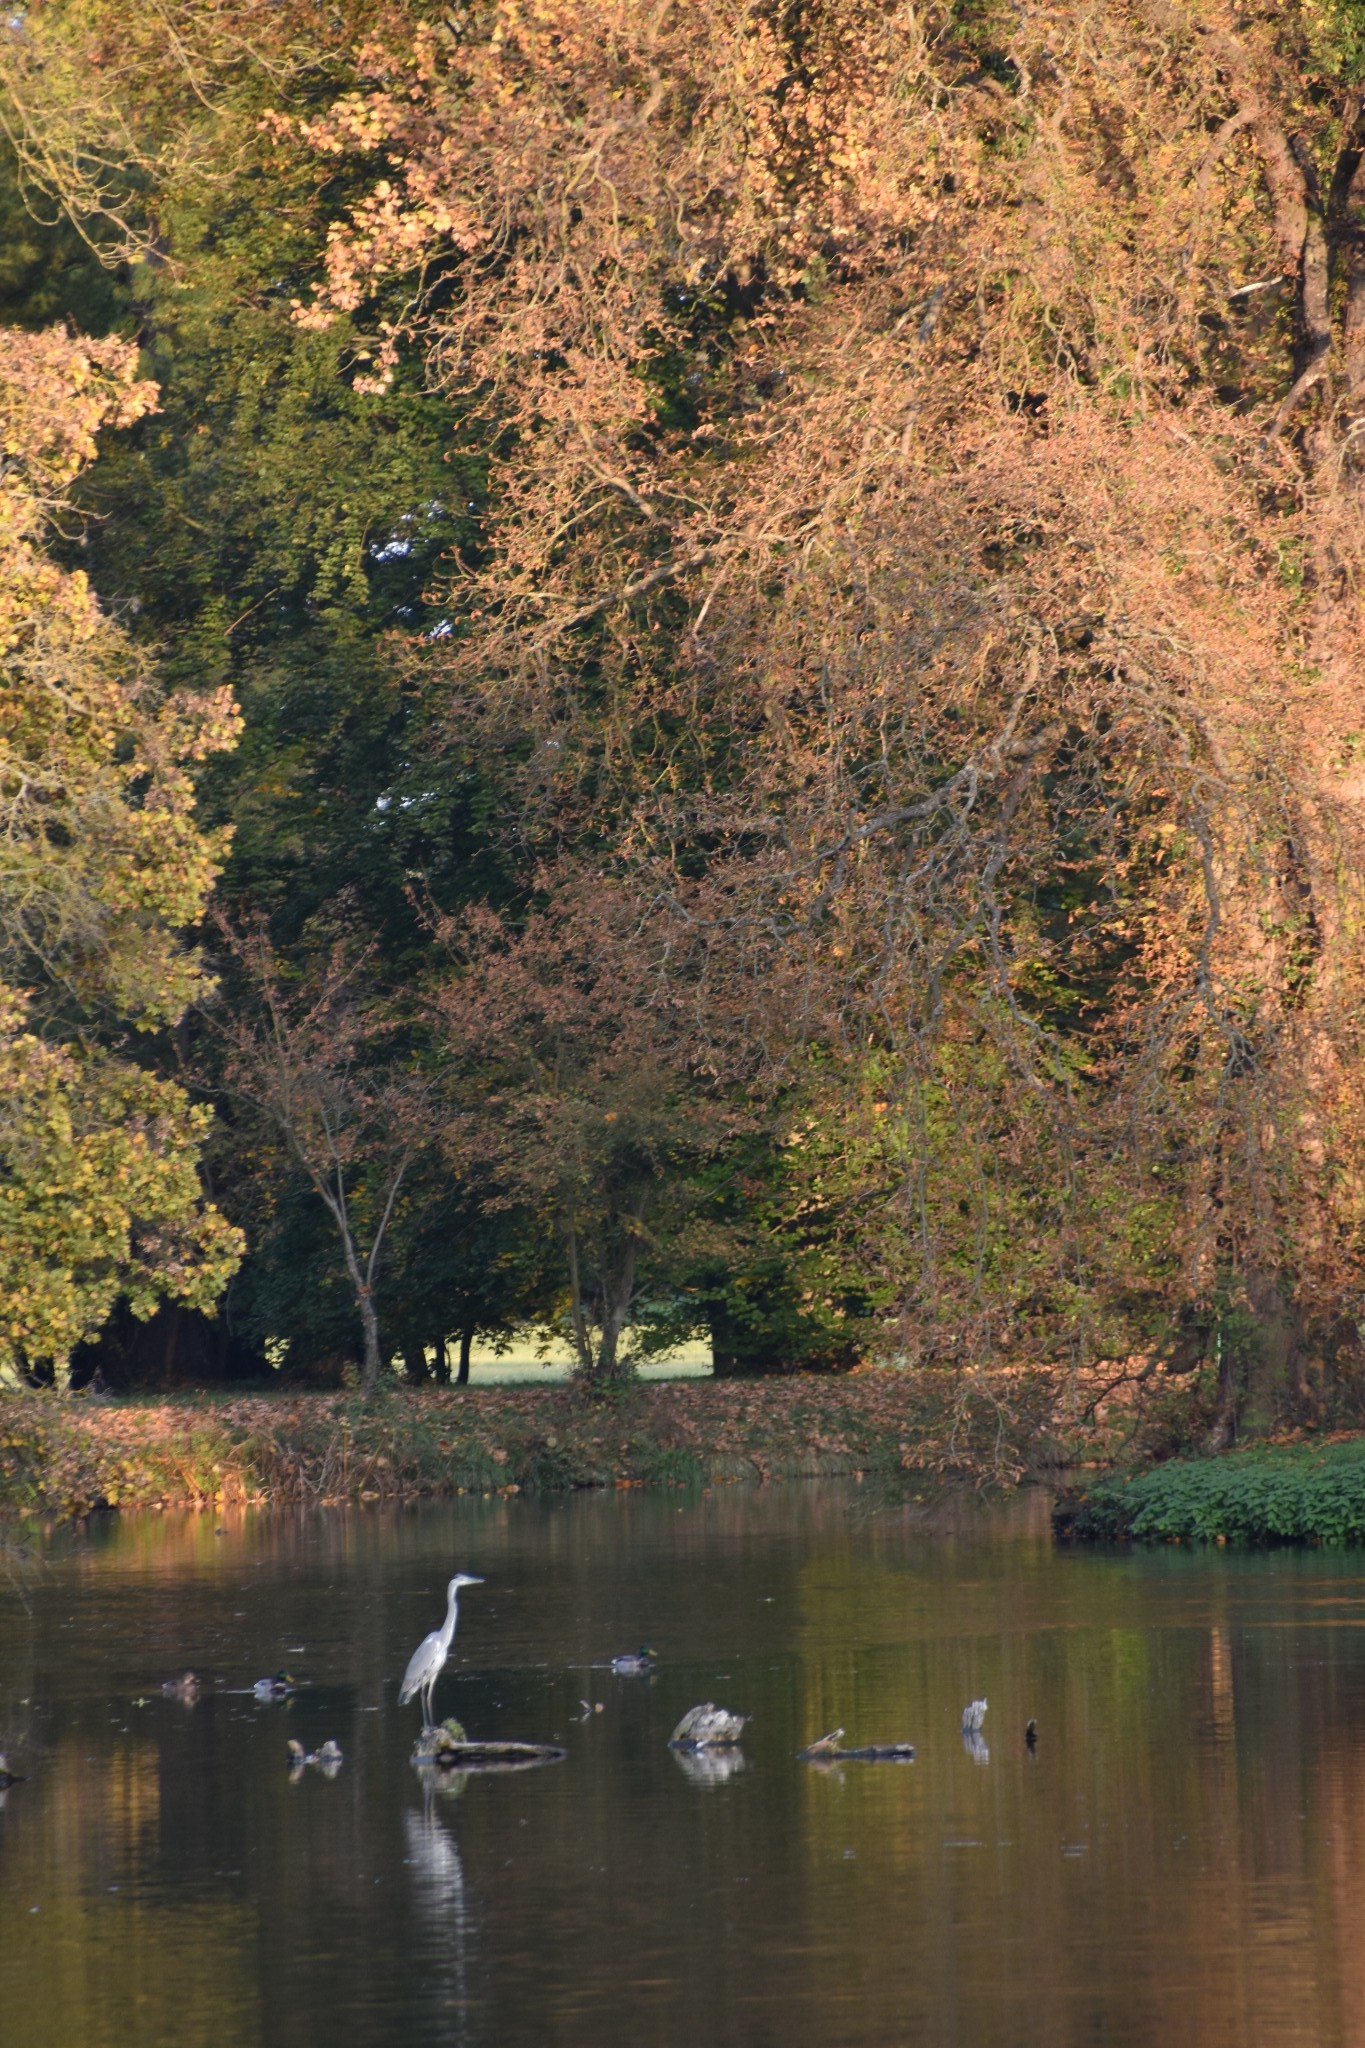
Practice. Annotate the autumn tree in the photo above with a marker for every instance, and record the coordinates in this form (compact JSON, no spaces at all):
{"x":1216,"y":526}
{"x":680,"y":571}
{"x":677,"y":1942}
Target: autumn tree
{"x":102,"y":866}
{"x":312,"y":1052}
{"x":585,"y":1086}
{"x":925,"y":483}
{"x":916,"y":575}
{"x":262,"y":531}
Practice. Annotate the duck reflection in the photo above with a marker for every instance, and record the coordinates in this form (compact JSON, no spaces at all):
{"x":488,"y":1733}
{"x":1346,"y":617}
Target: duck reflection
{"x":709,"y":1767}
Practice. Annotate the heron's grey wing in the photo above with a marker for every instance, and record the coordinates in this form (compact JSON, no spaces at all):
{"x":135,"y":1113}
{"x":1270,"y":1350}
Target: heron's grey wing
{"x":425,"y":1659}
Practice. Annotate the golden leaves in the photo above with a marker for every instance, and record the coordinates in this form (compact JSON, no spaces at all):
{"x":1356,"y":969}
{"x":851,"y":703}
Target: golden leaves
{"x":56,"y":392}
{"x":103,"y":865}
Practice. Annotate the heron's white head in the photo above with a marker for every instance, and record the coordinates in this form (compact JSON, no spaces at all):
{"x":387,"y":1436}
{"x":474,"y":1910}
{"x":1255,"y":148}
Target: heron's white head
{"x":462,"y":1579}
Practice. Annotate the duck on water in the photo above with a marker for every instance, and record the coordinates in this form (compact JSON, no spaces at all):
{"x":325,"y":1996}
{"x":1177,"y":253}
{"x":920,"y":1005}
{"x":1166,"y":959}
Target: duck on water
{"x":635,"y":1664}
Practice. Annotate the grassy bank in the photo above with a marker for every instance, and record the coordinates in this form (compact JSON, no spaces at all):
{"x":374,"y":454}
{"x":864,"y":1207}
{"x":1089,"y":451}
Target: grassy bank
{"x":1281,"y":1493}
{"x":69,"y":1456}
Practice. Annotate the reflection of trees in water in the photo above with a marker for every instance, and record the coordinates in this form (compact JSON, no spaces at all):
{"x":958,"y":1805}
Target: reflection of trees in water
{"x":709,"y":1766}
{"x":438,"y":1894}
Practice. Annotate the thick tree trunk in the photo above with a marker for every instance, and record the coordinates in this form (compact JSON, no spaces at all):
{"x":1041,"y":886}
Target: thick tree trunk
{"x":1275,"y":1389}
{"x":618,"y":1292}
{"x":466,"y":1344}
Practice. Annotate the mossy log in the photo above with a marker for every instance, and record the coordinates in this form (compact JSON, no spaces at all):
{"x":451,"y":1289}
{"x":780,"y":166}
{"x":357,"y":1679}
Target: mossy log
{"x":448,"y":1748}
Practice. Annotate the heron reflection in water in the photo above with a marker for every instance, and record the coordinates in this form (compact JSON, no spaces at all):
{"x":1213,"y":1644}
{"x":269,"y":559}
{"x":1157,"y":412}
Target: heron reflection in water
{"x":428,"y":1659}
{"x":973,"y":1741}
{"x":438,"y":1893}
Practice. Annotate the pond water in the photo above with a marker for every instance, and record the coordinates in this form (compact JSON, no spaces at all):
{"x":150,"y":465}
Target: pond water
{"x":1182,"y":1859}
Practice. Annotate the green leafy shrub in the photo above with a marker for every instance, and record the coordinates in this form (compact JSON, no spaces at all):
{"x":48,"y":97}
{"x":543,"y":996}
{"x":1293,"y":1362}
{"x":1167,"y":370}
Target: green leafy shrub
{"x":1292,"y":1493}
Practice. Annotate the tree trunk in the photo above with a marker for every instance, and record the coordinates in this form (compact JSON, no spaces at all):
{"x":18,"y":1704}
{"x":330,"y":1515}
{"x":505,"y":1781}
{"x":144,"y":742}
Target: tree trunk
{"x":466,"y":1342}
{"x":618,"y":1291}
{"x":174,"y":1324}
{"x":724,"y":1358}
{"x":1275,"y":1389}
{"x":582,"y":1340}
{"x":369,"y":1322}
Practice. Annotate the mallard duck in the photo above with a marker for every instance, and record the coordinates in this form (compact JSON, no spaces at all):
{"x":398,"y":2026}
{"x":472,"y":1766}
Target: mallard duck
{"x":707,"y":1727}
{"x":185,"y":1688}
{"x":277,"y":1688}
{"x":7,"y":1776}
{"x":636,"y":1665}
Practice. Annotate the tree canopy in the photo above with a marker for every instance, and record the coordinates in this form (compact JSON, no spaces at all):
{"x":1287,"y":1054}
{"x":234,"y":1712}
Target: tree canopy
{"x":103,"y":865}
{"x":791,"y":574}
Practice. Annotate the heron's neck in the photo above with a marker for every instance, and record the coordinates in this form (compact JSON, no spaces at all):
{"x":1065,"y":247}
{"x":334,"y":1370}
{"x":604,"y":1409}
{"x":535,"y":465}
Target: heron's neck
{"x":449,"y":1630}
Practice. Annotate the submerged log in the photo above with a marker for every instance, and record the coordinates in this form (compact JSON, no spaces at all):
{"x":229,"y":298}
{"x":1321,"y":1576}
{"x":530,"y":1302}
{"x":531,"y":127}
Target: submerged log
{"x":494,"y":1756}
{"x":448,"y":1748}
{"x":825,"y":1750}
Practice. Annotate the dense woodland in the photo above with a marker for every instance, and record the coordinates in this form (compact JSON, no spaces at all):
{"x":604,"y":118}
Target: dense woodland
{"x":684,"y":668}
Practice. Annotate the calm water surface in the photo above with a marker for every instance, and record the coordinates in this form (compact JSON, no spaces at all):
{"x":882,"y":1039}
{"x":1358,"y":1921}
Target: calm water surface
{"x":1183,"y":1860}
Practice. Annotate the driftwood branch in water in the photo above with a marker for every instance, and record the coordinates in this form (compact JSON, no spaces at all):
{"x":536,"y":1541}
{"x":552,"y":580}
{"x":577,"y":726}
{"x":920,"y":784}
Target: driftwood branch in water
{"x":825,"y":1750}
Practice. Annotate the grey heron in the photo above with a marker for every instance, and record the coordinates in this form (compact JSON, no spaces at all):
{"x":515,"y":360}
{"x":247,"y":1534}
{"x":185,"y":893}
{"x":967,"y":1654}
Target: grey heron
{"x":428,"y":1659}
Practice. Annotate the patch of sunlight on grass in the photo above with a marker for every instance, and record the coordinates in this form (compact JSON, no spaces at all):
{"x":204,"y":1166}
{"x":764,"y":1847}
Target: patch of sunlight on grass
{"x":488,"y":1368}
